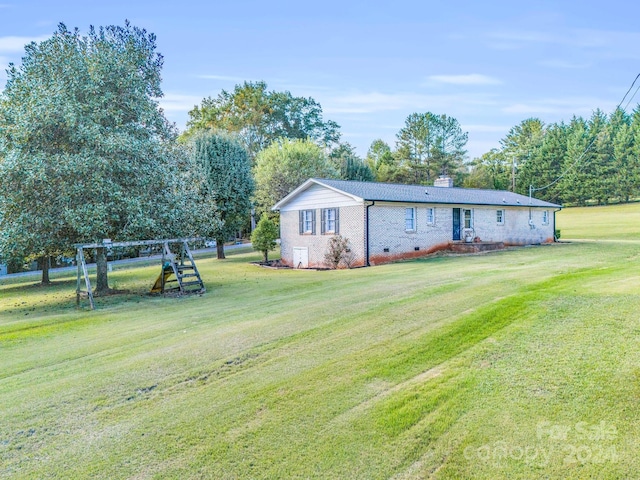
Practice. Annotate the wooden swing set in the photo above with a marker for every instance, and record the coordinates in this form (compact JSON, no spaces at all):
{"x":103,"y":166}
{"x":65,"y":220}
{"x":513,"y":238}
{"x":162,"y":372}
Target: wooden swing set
{"x":178,"y":263}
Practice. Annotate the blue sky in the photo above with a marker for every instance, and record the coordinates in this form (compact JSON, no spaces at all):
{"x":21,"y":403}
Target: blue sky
{"x":371,"y":64}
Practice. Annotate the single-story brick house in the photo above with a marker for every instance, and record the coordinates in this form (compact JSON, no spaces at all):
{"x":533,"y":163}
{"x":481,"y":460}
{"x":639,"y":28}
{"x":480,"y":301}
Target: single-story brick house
{"x":385,"y":222}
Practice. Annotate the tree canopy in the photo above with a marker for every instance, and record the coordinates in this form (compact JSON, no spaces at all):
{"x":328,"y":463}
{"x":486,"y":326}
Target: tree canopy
{"x":259,"y":116}
{"x":286,"y":164}
{"x":225,"y":185}
{"x":88,"y":153}
{"x":581,"y":162}
{"x":430,"y":145}
{"x":264,"y":237}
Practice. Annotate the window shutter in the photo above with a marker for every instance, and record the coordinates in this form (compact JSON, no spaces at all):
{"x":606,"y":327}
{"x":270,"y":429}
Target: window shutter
{"x":323,"y":221}
{"x":313,"y":223}
{"x":337,"y":229}
{"x":301,"y":221}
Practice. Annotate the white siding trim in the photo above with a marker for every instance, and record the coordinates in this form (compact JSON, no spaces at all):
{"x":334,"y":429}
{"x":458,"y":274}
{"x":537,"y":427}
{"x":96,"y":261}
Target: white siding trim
{"x":318,"y":196}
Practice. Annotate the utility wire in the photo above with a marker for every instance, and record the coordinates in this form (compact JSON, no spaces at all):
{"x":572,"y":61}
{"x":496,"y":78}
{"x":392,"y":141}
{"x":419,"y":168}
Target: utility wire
{"x":562,"y":175}
{"x":629,"y":101}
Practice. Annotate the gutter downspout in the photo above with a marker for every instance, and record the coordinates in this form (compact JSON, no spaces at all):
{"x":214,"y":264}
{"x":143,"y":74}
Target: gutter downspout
{"x":366,"y":244}
{"x":554,"y":223}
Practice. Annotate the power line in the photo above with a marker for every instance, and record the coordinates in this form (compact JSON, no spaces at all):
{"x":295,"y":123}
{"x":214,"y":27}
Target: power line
{"x":568,"y":169}
{"x":629,"y":101}
{"x":625,"y":95}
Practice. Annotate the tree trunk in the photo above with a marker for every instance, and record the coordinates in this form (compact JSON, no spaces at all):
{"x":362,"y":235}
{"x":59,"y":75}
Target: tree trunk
{"x":102,"y":281}
{"x":266,"y":256}
{"x":220,"y":248}
{"x":44,"y":264}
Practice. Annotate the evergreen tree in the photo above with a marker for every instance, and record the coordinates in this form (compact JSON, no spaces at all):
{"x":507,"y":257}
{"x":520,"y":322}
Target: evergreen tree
{"x":578,"y":155}
{"x":542,"y":170}
{"x":521,"y":143}
{"x":350,"y":166}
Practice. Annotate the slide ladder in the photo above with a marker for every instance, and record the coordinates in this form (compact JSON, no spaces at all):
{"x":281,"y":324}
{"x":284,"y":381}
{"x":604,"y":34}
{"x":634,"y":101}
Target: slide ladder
{"x":186,"y":275}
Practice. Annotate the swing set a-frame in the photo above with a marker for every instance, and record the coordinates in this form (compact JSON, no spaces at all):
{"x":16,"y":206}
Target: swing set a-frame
{"x":177,"y":262}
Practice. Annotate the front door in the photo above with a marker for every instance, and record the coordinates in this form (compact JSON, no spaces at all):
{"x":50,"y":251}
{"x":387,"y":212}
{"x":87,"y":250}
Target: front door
{"x":456,"y":224}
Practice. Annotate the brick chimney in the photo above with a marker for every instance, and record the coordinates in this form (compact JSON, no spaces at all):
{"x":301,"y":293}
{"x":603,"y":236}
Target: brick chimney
{"x":443,"y":181}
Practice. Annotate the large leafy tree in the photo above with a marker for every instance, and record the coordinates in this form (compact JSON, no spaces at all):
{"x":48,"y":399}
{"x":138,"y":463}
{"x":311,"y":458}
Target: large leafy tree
{"x":490,"y":171}
{"x":259,"y":116}
{"x":286,"y":164}
{"x":225,"y":185}
{"x":88,"y":153}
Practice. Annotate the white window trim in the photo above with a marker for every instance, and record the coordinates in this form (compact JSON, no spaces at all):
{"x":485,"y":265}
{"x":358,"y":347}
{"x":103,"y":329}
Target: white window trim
{"x":307,"y":217}
{"x":471,"y":222}
{"x":545,"y":217}
{"x":413,"y":218}
{"x":501,"y":221}
{"x":431,"y":219}
{"x":326,"y":221}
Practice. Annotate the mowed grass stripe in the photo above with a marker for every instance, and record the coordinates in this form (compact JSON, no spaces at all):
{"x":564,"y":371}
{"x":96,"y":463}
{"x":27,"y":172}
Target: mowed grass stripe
{"x":371,"y":373}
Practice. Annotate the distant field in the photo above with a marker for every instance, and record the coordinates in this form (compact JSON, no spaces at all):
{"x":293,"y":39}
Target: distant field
{"x":518,"y":364}
{"x":619,"y":222}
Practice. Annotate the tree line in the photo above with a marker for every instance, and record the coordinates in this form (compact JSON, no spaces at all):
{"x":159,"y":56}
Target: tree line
{"x":87,"y":154}
{"x":585,"y":161}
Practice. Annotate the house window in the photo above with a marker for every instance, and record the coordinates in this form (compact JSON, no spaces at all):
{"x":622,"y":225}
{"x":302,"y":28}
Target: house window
{"x":431,"y":216}
{"x":500,"y":217}
{"x":410,"y":219}
{"x":330,"y":223}
{"x":545,"y":217}
{"x":307,"y":222}
{"x":468,"y":218}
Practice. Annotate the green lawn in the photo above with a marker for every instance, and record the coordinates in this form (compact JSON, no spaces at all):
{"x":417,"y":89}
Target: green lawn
{"x":518,"y":364}
{"x":619,"y":222}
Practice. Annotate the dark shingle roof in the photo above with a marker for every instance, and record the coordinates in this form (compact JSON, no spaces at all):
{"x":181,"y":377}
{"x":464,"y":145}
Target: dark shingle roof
{"x":390,"y":192}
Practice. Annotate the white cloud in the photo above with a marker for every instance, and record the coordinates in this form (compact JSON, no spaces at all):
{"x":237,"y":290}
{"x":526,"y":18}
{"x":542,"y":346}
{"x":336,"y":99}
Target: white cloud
{"x":607,"y":43}
{"x":561,"y":107}
{"x":16,"y":44}
{"x":485,"y":128}
{"x":359,"y":103}
{"x":225,"y":78}
{"x":175,"y":102}
{"x":470,"y":79}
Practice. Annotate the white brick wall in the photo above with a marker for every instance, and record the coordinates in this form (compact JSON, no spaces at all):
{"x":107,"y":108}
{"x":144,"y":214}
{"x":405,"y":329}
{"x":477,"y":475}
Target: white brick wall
{"x":387,"y":231}
{"x":351,"y":225}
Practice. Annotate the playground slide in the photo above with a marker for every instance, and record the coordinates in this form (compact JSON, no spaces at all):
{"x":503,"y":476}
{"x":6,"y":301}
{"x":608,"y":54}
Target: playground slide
{"x":167,"y":271}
